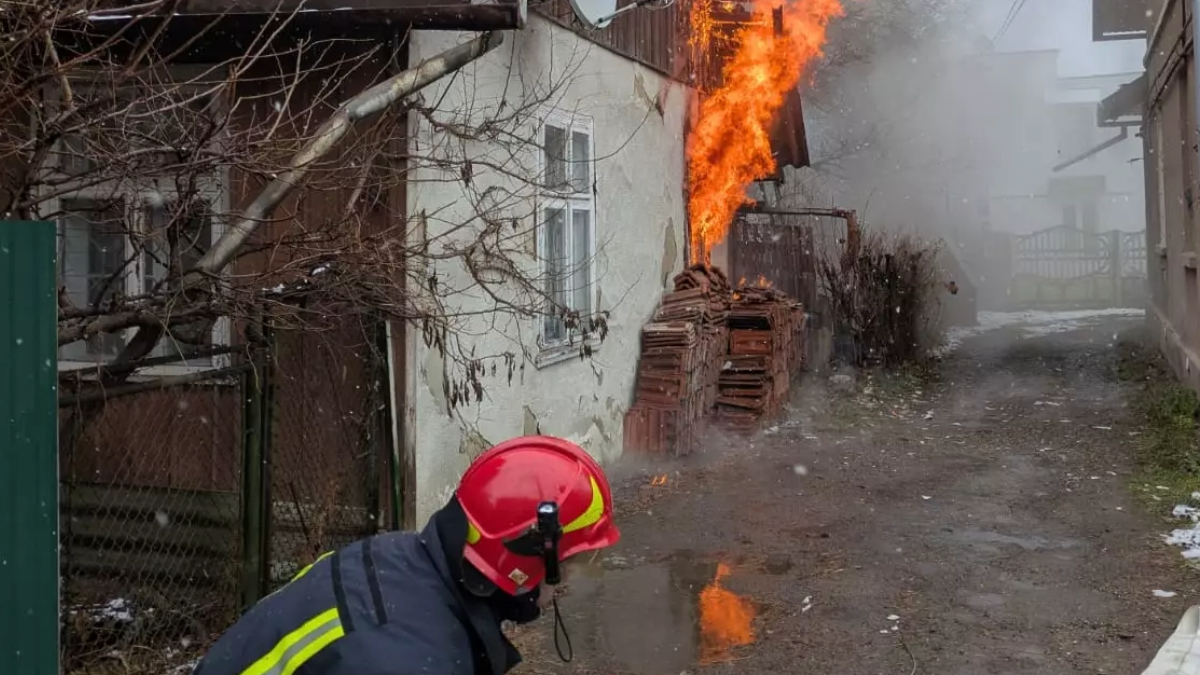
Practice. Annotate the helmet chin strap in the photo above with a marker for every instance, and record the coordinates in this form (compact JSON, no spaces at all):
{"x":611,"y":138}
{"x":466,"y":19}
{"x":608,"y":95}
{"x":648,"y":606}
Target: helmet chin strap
{"x":550,"y":529}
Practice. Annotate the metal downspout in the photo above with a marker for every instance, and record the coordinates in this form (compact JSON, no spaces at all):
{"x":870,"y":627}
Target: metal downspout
{"x":1195,"y":88}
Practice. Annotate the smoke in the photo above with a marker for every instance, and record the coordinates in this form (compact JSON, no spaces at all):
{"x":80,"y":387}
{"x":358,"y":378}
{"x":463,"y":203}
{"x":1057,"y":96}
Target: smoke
{"x":930,"y":117}
{"x":918,"y":122}
{"x":894,"y":115}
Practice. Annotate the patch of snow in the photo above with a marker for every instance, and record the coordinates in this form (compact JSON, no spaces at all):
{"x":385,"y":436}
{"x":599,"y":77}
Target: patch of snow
{"x":1187,"y":538}
{"x":1030,"y":323}
{"x":117,"y":610}
{"x":1185,"y":511}
{"x":1164,"y":594}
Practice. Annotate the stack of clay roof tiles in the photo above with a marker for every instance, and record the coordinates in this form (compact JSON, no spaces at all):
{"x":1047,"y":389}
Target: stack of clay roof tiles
{"x":683,"y":349}
{"x":766,"y":345}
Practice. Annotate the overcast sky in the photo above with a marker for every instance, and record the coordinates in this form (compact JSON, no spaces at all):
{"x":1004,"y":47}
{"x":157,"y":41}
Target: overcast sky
{"x":1065,"y":25}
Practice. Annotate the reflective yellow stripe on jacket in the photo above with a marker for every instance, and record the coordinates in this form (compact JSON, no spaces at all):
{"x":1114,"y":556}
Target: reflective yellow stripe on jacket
{"x":303,"y":570}
{"x":300,"y":645}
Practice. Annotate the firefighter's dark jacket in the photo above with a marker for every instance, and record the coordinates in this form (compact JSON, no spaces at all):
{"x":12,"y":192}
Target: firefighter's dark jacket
{"x":387,"y":605}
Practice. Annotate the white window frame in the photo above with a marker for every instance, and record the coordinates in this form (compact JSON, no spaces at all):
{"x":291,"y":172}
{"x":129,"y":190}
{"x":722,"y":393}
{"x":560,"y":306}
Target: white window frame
{"x":135,"y":200}
{"x":556,"y":350}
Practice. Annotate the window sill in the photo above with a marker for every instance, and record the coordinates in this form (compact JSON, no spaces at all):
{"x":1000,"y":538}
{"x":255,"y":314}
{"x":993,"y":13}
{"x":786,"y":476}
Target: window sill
{"x":561,"y":352}
{"x":1189,"y":261}
{"x":1162,"y":251}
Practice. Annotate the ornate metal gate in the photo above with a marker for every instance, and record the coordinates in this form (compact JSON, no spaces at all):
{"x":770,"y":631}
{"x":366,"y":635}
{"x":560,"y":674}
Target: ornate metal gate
{"x":1065,"y":267}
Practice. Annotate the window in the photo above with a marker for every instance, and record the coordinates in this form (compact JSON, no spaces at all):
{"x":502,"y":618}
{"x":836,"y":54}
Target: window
{"x":133,"y":220}
{"x":566,"y":236}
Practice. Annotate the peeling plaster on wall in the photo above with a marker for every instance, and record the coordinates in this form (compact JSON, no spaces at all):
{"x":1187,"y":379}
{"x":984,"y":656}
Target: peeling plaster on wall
{"x":434,"y":374}
{"x":472,"y":444}
{"x":591,"y":426}
{"x":639,"y":89}
{"x":530,"y":426}
{"x":670,"y":254}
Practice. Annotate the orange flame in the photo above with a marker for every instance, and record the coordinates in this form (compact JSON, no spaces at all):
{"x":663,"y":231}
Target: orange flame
{"x":726,"y":620}
{"x":729,"y":146}
{"x":761,"y":282}
{"x":659,"y":480}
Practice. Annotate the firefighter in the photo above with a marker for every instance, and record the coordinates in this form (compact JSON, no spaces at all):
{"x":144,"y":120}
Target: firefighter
{"x":432,"y":603}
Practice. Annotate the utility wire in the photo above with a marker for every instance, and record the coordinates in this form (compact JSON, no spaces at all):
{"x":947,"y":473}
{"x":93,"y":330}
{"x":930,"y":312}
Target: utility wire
{"x":1013,"y":11}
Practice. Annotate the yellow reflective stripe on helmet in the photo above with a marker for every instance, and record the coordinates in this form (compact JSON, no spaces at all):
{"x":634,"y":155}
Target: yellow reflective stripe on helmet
{"x":593,"y":514}
{"x":300,"y":645}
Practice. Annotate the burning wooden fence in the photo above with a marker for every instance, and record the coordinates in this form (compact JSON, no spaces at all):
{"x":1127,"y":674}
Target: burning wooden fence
{"x":711,"y":347}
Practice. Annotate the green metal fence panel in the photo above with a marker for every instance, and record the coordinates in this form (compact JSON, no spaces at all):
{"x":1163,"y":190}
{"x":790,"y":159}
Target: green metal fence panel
{"x":28,"y":450}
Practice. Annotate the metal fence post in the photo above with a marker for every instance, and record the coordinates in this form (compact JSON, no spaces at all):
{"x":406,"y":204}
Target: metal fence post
{"x":1114,"y":255}
{"x":267,"y":400}
{"x":375,"y":431}
{"x":257,"y":412}
{"x":29,"y":603}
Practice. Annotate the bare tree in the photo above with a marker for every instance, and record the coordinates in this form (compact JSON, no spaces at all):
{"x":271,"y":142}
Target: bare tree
{"x":261,"y":180}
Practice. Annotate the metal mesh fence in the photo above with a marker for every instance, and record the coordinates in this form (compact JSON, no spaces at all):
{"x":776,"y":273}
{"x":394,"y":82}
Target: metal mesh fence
{"x":150,"y":537}
{"x":329,"y":433}
{"x":183,"y":504}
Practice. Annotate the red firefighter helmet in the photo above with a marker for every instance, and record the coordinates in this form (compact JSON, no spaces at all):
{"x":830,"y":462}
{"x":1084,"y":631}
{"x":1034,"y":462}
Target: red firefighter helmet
{"x":501,"y":492}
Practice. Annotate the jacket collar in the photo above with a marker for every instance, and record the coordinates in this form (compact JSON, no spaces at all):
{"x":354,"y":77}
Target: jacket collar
{"x":449,"y":525}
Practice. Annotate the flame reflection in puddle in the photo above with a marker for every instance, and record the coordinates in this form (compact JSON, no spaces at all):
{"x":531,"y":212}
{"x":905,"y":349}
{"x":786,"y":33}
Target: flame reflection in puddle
{"x":726,"y":619}
{"x":656,"y":618}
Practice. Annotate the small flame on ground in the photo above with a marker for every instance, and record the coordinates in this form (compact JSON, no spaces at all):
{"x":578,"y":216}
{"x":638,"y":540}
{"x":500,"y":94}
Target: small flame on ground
{"x":729,"y":146}
{"x":659,"y":480}
{"x":760,"y":282}
{"x":726,"y":620}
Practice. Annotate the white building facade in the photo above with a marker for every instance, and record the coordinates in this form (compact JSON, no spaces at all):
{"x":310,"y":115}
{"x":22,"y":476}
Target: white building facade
{"x":609,"y":132}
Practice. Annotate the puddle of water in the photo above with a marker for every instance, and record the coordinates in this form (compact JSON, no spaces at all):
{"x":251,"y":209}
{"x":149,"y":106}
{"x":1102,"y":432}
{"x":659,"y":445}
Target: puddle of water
{"x":656,"y":618}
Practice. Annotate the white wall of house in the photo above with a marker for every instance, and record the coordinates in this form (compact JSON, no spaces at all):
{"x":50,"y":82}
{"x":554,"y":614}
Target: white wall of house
{"x":1055,"y":121}
{"x":636,"y":208}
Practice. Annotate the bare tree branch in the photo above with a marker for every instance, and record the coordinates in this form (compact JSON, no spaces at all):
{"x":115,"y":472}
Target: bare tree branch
{"x":370,"y":102}
{"x":268,"y":180}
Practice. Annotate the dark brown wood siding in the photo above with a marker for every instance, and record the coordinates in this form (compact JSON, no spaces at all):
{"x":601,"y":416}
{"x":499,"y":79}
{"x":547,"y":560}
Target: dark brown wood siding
{"x":652,"y":37}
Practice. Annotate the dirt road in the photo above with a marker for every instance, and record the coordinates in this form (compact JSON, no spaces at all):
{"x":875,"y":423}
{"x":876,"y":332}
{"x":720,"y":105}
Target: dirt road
{"x":981,"y":526}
